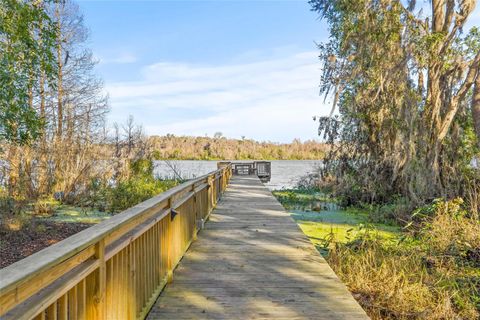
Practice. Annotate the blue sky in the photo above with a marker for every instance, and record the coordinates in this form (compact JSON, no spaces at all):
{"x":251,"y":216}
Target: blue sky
{"x":243,"y":68}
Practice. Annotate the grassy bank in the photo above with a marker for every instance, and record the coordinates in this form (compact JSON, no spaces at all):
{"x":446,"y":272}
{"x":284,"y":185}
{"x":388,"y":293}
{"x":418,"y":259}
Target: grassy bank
{"x":431,"y":271}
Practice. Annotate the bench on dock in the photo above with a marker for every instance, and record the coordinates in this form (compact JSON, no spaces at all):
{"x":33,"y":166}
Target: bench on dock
{"x":262,"y":169}
{"x":251,"y":261}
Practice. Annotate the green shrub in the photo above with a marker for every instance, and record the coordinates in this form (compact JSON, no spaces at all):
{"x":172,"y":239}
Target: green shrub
{"x":138,"y":186}
{"x":142,"y":168}
{"x":97,"y":197}
{"x":397,"y":211}
{"x":130,"y":192}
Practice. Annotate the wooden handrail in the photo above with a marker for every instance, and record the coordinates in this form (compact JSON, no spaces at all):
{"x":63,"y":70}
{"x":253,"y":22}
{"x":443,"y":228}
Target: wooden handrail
{"x":117,"y":268}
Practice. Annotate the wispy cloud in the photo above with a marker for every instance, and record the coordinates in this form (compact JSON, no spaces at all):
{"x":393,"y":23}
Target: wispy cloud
{"x":266,"y":100}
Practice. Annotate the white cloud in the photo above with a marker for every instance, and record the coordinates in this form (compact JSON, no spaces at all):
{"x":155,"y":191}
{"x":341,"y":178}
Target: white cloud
{"x":265,"y":100}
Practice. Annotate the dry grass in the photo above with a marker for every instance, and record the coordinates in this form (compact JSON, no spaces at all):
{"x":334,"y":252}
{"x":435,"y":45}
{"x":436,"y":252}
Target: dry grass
{"x":432,"y":275}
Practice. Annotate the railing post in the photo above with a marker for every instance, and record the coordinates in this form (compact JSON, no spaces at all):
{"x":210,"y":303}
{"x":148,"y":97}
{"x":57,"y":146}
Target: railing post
{"x":195,"y":214}
{"x":170,"y":245}
{"x":210,"y":193}
{"x":225,"y":179}
{"x":220,"y":186}
{"x":98,"y":306}
{"x":132,"y":281}
{"x":215,"y":187}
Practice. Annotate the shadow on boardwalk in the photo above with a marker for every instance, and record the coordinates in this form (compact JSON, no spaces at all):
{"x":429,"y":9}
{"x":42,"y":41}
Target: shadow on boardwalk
{"x":253,"y":262}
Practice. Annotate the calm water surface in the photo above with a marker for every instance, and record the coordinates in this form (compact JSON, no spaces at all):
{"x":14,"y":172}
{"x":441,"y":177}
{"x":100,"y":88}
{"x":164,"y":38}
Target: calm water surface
{"x":285,"y":173}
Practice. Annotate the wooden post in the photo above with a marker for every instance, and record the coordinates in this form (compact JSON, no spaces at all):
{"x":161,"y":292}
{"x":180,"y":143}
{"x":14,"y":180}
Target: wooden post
{"x":98,"y":308}
{"x":225,"y":179}
{"x":195,"y":214}
{"x":72,"y":303}
{"x":51,"y":311}
{"x":132,"y":282}
{"x":221,"y":181}
{"x":210,"y":193}
{"x":102,"y":281}
{"x":170,"y":245}
{"x":62,"y":308}
{"x":82,"y":297}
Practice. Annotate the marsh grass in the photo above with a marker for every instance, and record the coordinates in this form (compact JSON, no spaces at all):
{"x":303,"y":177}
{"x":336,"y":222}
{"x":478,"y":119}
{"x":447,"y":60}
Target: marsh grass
{"x":428,"y":270}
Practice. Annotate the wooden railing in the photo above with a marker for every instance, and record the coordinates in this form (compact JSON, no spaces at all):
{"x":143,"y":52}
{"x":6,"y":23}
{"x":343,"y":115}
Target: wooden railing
{"x":116,"y":269}
{"x":260,"y":168}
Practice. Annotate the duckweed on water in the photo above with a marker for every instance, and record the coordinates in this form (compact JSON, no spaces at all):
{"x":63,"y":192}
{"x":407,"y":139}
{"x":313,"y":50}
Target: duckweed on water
{"x":325,"y":223}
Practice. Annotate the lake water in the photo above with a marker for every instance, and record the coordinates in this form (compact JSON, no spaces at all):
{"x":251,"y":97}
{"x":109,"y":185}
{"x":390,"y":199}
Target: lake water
{"x":285,"y":173}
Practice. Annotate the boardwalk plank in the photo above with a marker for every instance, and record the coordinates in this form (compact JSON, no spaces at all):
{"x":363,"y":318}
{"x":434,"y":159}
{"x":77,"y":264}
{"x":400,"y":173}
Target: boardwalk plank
{"x":253,"y":262}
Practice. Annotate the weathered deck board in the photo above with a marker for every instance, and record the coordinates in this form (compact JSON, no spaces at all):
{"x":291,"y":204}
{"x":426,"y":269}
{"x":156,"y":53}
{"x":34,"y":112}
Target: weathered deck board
{"x":253,"y":262}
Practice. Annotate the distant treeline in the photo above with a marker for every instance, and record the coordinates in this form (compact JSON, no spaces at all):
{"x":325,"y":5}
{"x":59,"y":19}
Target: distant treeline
{"x":219,"y":147}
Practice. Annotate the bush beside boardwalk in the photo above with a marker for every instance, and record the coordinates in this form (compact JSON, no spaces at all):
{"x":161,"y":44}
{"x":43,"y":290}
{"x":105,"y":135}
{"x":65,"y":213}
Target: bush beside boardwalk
{"x":427,"y":269}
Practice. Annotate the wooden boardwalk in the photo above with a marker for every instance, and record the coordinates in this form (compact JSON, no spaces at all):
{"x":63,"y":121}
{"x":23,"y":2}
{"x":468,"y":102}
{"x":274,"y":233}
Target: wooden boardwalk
{"x":253,"y":262}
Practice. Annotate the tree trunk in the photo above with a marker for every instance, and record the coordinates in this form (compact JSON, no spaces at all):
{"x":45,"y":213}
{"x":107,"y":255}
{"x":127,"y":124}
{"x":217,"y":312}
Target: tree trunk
{"x":59,"y":75}
{"x":70,"y":123}
{"x":13,"y":164}
{"x":438,"y":15}
{"x":476,"y":108}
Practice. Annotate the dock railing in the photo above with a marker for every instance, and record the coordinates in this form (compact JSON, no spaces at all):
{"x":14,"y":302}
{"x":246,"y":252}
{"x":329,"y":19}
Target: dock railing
{"x":261,"y":169}
{"x":116,"y":269}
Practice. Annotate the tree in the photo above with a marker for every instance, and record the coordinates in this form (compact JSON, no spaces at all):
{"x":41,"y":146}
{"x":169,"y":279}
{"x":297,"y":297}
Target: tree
{"x":80,"y":105}
{"x":26,"y":46}
{"x":76,"y":104}
{"x":133,"y":134}
{"x":51,"y":98}
{"x":402,"y":83}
